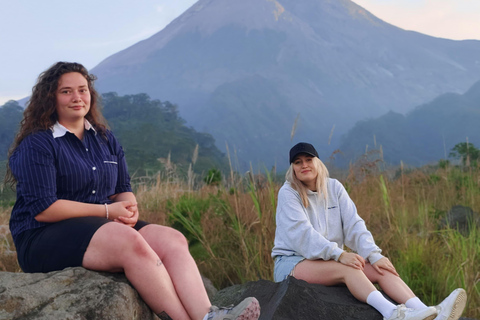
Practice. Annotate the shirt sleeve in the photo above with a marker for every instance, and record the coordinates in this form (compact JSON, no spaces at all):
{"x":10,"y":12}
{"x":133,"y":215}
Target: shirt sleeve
{"x":33,"y":166}
{"x":123,"y":178}
{"x":357,"y":236}
{"x":298,"y":233}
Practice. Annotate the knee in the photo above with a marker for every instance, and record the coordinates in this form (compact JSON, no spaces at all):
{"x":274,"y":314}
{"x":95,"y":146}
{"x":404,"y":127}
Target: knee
{"x":134,"y":245}
{"x":177,"y":241}
{"x":164,"y":238}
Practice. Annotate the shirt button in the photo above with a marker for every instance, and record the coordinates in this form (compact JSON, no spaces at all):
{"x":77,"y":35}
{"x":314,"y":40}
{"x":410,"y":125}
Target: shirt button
{"x":94,"y":168}
{"x":86,"y":149}
{"x":93,"y":192}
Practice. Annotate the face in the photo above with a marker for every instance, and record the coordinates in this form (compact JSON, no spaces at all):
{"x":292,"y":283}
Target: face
{"x":73,"y":97}
{"x":305,"y":170}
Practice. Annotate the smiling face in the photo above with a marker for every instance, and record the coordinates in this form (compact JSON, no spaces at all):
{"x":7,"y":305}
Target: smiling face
{"x":305,"y":170}
{"x":73,"y":98}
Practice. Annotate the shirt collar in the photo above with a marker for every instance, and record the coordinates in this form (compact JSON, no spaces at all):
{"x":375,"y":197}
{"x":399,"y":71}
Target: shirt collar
{"x":59,"y":130}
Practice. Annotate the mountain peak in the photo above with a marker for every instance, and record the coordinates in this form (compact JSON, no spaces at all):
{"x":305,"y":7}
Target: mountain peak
{"x":243,"y":70}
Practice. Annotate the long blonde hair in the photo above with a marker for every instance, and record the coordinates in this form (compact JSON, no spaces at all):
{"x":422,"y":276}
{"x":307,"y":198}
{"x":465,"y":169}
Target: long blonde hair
{"x":321,"y":182}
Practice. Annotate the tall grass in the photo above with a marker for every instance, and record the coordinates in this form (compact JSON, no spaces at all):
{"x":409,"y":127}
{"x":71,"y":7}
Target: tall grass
{"x":231,"y":226}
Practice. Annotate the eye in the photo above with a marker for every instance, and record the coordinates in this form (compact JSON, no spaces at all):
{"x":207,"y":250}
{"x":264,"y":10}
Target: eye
{"x":84,"y":90}
{"x":64,"y":91}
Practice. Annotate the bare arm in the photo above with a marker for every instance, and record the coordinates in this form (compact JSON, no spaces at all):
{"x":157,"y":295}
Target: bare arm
{"x":66,"y":209}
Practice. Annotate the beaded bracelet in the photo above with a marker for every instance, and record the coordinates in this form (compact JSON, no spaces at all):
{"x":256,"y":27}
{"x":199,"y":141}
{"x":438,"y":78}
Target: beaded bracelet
{"x":106,"y":210}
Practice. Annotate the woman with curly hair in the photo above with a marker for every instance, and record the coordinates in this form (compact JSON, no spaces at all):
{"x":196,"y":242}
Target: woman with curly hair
{"x":75,"y":206}
{"x":315,"y":219}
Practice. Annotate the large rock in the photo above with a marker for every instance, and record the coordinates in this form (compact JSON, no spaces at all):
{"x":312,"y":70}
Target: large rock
{"x":462,"y":219}
{"x":299,"y":300}
{"x":295,"y":299}
{"x":73,"y":293}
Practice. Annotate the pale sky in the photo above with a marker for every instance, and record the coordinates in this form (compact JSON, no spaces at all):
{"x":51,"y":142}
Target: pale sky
{"x":35,"y":34}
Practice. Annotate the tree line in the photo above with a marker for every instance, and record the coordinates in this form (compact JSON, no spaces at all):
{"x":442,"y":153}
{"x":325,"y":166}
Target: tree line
{"x":152,"y":134}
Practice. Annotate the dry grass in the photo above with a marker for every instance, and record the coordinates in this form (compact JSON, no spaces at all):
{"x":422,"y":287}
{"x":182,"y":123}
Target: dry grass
{"x":231,"y":227}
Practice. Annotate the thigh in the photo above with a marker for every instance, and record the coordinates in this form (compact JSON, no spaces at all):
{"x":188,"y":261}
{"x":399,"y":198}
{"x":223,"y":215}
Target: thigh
{"x":57,"y":246}
{"x":323,"y":272}
{"x":113,"y":245}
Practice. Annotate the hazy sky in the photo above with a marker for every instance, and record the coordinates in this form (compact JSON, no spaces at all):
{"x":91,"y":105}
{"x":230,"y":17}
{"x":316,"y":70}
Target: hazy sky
{"x":35,"y":34}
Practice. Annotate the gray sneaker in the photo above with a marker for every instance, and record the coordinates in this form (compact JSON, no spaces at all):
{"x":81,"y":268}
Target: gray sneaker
{"x":248,"y":309}
{"x":452,"y":307}
{"x":404,"y":313}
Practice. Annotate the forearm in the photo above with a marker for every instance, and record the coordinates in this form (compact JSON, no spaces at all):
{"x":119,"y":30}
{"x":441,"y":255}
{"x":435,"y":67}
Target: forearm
{"x":66,"y":209}
{"x":124,"y":196}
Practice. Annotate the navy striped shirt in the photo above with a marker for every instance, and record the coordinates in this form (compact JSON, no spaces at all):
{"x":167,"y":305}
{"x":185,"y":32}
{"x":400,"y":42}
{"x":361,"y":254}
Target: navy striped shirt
{"x":55,"y":164}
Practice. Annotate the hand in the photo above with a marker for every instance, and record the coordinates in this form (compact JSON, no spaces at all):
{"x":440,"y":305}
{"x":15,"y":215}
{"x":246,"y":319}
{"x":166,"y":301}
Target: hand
{"x":385,"y":264}
{"x":352,"y":260}
{"x":130,"y":221}
{"x":120,"y":209}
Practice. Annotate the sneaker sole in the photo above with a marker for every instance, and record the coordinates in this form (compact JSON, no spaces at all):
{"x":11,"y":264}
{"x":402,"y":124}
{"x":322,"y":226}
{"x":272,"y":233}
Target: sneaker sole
{"x":458,"y":305}
{"x":249,"y":309}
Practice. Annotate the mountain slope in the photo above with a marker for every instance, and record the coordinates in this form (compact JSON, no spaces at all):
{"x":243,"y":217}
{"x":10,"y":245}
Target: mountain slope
{"x":244,"y":69}
{"x":426,"y":134}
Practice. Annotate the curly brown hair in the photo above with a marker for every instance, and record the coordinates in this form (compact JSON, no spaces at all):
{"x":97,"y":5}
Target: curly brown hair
{"x":40,"y":113}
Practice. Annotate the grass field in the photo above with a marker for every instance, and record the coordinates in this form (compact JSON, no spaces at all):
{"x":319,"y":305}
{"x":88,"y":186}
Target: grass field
{"x":231,"y":225}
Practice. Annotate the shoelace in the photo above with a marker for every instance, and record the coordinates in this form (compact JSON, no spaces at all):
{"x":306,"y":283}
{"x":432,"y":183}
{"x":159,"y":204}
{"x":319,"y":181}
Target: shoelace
{"x":214,"y":311}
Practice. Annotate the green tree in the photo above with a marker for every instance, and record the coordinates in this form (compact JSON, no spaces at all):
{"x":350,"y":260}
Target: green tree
{"x":11,"y":114}
{"x":467,"y":152}
{"x":151,"y":131}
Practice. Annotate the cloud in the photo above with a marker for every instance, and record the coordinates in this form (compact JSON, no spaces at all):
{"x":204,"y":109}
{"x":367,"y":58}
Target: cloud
{"x":441,"y":18}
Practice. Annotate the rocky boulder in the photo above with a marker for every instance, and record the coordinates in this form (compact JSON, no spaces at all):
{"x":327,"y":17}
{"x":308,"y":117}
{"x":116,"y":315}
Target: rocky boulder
{"x":73,"y":293}
{"x":462,"y":219}
{"x":299,"y":300}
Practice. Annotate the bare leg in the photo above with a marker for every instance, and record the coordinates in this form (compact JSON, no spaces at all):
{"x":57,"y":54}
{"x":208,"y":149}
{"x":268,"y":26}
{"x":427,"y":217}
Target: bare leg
{"x":172,"y":248}
{"x":116,"y":247}
{"x":393,"y":285}
{"x":331,"y":273}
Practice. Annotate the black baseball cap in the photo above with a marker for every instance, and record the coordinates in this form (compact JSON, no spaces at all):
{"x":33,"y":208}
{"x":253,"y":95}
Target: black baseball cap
{"x":302,"y":147}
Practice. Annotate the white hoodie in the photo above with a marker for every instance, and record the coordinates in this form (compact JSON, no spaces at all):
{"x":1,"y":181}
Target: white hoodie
{"x":319,"y":231}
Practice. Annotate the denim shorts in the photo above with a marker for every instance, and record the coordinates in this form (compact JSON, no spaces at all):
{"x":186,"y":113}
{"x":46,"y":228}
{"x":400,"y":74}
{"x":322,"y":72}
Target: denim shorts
{"x":284,"y":266}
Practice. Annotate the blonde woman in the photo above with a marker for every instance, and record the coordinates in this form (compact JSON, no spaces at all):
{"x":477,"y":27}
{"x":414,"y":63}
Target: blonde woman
{"x":315,"y":219}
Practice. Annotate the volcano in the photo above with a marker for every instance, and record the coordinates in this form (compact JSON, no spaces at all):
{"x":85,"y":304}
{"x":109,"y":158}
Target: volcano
{"x":260,"y":75}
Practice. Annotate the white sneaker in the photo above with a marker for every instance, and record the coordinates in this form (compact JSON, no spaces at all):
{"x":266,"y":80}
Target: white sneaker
{"x":452,"y":307}
{"x":404,"y":313}
{"x":248,"y":309}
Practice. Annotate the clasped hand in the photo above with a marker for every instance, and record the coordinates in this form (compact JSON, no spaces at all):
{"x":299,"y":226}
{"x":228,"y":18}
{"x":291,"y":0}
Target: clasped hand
{"x":125,"y":212}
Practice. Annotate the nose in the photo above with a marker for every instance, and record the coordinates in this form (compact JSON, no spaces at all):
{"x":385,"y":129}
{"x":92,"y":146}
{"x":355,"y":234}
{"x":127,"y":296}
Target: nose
{"x":76,"y":97}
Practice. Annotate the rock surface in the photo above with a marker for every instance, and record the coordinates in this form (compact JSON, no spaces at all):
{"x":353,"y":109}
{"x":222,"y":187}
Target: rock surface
{"x":462,"y":219}
{"x":73,"y":293}
{"x":299,"y":300}
{"x":77,"y":293}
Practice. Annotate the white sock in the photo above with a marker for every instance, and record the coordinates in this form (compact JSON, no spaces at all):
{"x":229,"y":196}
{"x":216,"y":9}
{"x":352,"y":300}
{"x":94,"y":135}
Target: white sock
{"x":415,"y":303}
{"x":378,"y":301}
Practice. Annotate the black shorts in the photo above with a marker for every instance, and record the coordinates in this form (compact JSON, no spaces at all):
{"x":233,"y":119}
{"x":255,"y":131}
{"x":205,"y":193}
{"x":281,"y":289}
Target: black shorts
{"x":59,"y":245}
